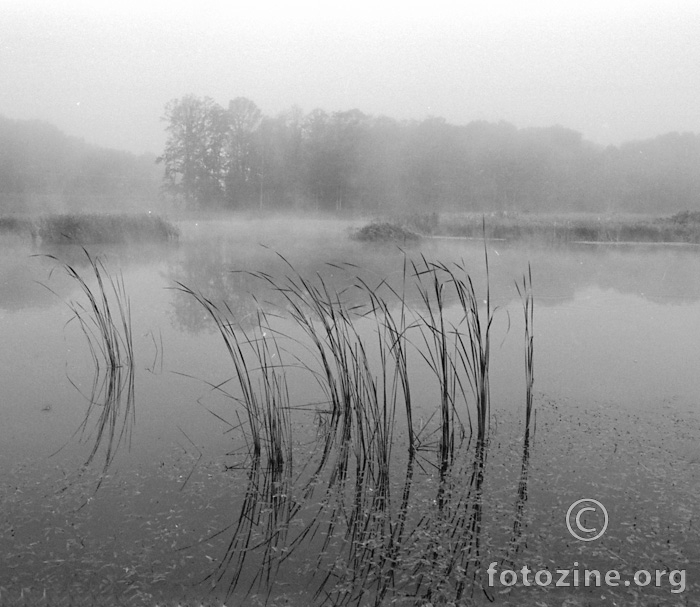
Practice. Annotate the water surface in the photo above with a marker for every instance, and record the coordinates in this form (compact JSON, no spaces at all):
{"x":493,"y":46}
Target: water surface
{"x":616,"y":385}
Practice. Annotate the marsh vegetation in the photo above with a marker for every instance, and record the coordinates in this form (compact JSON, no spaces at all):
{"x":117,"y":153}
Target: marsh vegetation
{"x":352,"y":502}
{"x":104,"y":319}
{"x":552,"y":229}
{"x":90,"y":228}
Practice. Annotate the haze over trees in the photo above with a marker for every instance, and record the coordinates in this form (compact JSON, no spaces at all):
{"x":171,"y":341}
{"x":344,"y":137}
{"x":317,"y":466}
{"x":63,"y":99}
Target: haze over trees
{"x":236,"y":158}
{"x":44,"y":170}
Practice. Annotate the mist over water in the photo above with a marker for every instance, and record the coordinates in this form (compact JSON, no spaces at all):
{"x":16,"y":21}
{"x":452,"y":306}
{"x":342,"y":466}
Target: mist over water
{"x":636,"y":308}
{"x":615,"y":360}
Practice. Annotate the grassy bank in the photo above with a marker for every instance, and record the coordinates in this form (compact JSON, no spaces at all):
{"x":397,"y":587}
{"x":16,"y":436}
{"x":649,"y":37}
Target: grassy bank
{"x":682,"y":227}
{"x":90,"y":228}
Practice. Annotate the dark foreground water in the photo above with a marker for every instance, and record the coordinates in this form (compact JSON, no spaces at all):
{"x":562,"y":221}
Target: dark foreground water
{"x":185,"y":514}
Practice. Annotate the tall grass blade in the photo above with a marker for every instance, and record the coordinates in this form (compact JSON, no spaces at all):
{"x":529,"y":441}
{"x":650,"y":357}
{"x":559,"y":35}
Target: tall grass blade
{"x":372,"y":547}
{"x":528,"y":302}
{"x":105,"y":321}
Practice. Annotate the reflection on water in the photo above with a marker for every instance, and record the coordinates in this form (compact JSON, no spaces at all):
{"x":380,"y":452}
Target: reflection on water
{"x":358,"y":355}
{"x":105,"y":321}
{"x":616,"y":419}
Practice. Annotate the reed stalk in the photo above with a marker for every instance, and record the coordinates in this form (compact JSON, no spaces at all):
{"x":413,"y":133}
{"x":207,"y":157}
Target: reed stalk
{"x":261,"y":379}
{"x":105,"y":321}
{"x":359,"y":356}
{"x":528,"y":302}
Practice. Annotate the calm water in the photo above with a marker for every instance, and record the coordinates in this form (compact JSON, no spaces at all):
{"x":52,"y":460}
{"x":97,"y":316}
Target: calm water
{"x":616,"y":393}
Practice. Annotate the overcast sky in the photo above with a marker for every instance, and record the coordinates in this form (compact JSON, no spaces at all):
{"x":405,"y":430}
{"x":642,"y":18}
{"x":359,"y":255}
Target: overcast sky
{"x":615,"y":70}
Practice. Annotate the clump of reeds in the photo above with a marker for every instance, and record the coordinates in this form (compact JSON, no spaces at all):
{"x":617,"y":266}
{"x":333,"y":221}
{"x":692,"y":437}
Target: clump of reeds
{"x":104,"y":229}
{"x":457,"y":353}
{"x":563,"y":229}
{"x":105,"y":321}
{"x":16,"y":225}
{"x":259,"y":385}
{"x":385,"y":232}
{"x":368,"y":542}
{"x":261,"y":380}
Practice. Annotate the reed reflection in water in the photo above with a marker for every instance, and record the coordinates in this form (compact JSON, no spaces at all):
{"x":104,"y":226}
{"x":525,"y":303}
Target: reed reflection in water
{"x":370,"y":535}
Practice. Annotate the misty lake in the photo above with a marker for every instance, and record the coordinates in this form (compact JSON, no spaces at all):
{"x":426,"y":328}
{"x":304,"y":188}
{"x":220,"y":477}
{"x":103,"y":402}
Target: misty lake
{"x":183,"y":513}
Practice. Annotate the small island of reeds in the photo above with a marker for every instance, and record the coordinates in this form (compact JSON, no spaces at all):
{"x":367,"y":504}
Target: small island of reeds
{"x":92,"y":228}
{"x":385,"y":232}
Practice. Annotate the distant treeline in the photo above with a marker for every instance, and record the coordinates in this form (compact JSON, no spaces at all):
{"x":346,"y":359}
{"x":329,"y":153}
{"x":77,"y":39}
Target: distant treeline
{"x":237,"y":158}
{"x":42,"y":169}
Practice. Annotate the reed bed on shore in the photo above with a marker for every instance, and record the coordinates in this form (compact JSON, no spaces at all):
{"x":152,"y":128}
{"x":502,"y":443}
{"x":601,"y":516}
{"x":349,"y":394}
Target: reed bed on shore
{"x":554,"y":228}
